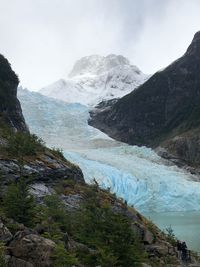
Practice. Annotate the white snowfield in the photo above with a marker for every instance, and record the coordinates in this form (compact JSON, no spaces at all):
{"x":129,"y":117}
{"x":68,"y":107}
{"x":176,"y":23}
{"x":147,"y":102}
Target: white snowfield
{"x":136,"y":174}
{"x":96,"y":78}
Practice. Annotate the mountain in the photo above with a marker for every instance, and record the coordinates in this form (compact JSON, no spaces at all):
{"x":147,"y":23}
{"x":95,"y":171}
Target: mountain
{"x":164,"y":111}
{"x":96,"y":78}
{"x":10,"y":109}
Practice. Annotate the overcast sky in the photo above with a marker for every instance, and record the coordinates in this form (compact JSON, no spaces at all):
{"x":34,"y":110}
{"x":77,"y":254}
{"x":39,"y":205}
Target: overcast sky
{"x":43,"y":38}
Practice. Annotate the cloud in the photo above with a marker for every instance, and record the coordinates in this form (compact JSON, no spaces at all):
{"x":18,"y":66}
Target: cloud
{"x":42,"y":38}
{"x":165,"y":39}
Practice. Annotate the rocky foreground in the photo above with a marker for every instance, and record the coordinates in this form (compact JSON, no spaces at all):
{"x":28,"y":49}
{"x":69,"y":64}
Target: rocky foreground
{"x":28,"y":247}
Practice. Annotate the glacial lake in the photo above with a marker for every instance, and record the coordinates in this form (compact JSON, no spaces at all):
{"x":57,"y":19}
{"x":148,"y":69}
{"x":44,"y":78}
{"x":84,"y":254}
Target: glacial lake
{"x":186,"y":225}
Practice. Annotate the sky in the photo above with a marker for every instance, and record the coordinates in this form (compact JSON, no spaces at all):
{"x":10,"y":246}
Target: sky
{"x":42,"y":39}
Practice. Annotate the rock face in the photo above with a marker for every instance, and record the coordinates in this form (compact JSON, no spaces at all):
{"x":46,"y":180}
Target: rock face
{"x":184,"y":149}
{"x":162,"y":111}
{"x":10,"y":109}
{"x":44,"y":168}
{"x":5,"y":234}
{"x":15,"y":262}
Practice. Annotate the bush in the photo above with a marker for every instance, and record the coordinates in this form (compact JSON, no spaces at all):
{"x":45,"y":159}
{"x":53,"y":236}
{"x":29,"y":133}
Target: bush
{"x":54,"y":218}
{"x":18,"y":204}
{"x":108,"y":233}
{"x":62,"y":258}
{"x":58,"y":153}
{"x":24,"y":144}
{"x":2,"y":256}
{"x":170,"y":235}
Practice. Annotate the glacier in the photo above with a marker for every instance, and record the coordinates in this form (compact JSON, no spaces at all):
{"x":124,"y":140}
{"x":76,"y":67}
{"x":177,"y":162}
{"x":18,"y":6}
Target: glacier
{"x":135,"y":174}
{"x":96,"y":78}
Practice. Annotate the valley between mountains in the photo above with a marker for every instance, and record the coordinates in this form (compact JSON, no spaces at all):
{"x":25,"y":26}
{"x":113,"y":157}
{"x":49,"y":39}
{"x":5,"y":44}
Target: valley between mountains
{"x":118,"y":144}
{"x":162,"y":180}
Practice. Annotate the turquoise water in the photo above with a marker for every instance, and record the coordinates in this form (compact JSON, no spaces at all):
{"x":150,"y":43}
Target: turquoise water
{"x":186,"y":226}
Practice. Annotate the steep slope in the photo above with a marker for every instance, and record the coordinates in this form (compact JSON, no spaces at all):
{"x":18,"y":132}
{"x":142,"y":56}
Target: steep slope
{"x":96,"y":78}
{"x":81,"y":227}
{"x":10,"y":109}
{"x":163,"y":111}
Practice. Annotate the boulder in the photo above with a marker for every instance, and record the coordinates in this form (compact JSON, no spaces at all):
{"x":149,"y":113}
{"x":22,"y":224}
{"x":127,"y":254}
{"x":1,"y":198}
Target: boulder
{"x":15,"y":262}
{"x":148,"y":237}
{"x":157,"y":250}
{"x":32,"y":248}
{"x":5,"y":234}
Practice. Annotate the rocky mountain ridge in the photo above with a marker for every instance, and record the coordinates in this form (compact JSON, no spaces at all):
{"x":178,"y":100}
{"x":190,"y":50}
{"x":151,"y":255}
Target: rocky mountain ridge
{"x":10,"y":109}
{"x":164,"y":111}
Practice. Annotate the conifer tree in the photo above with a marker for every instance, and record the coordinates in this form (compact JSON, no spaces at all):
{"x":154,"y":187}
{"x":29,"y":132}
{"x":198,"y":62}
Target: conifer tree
{"x":18,"y":203}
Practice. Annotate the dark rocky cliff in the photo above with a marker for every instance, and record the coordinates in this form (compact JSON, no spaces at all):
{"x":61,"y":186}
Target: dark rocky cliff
{"x":163,"y":111}
{"x":42,"y":166}
{"x":10,"y":109}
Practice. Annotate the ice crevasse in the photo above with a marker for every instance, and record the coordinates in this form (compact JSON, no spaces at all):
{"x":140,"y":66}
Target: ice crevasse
{"x":145,"y":184}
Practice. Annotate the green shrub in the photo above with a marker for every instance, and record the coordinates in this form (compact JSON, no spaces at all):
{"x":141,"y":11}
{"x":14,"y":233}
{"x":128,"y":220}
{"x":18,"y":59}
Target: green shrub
{"x":107,"y":238}
{"x":107,"y":259}
{"x":18,"y":204}
{"x":108,"y":233}
{"x":170,"y":235}
{"x":53,"y":217}
{"x":63,"y":258}
{"x":58,"y":153}
{"x":24,"y":144}
{"x":2,"y":256}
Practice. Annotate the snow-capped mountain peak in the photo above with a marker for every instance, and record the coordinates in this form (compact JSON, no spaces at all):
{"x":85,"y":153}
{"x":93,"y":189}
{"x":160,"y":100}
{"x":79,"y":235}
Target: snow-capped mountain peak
{"x":95,"y":78}
{"x":96,"y":64}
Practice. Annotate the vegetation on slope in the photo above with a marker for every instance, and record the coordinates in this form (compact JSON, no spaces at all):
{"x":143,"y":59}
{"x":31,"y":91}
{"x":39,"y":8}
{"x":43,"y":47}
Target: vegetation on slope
{"x":106,"y":237}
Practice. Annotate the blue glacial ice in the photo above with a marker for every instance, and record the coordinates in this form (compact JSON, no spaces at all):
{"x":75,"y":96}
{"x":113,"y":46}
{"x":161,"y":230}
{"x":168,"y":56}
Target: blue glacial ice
{"x":136,"y":174}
